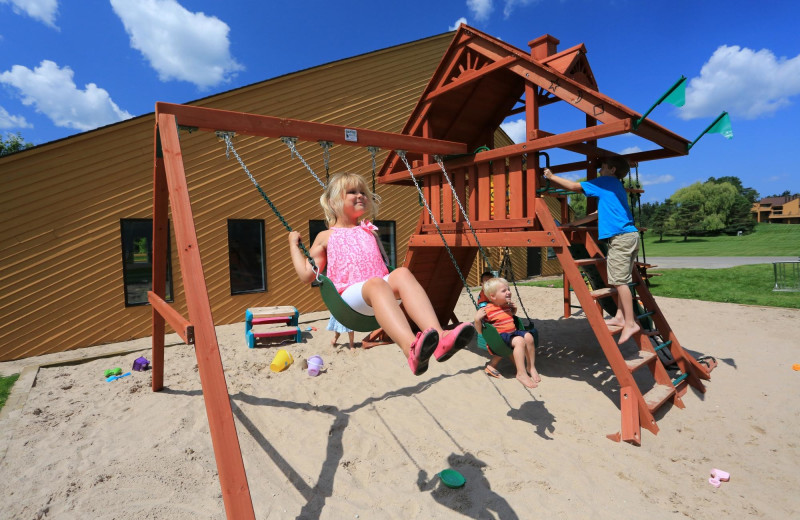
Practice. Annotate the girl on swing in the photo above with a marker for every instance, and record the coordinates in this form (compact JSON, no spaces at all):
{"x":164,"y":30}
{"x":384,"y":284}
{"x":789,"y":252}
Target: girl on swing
{"x":352,"y":252}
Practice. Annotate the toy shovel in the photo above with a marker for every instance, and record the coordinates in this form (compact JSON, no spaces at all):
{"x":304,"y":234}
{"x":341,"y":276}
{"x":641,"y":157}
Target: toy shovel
{"x":114,"y":378}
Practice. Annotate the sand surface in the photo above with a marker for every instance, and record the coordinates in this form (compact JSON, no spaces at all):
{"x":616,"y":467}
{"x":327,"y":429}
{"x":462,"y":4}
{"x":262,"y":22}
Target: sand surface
{"x":366,"y":439}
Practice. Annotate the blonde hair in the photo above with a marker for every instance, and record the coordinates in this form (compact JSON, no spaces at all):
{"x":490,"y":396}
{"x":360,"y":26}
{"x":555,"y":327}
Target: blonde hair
{"x":491,"y":285}
{"x":332,"y":199}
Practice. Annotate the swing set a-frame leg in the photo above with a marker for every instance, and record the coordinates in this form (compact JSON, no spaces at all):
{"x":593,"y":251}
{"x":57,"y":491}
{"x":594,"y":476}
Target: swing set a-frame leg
{"x":227,"y":452}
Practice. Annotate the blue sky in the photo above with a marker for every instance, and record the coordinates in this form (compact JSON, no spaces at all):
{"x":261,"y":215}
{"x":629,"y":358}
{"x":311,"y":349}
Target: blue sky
{"x":69,"y":67}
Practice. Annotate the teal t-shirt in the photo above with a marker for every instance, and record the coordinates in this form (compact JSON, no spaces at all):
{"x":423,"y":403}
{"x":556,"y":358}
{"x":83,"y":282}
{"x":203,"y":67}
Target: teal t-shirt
{"x":614,"y":215}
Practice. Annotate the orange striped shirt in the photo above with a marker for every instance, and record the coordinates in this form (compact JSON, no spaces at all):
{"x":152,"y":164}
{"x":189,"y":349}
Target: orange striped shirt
{"x":501,"y":318}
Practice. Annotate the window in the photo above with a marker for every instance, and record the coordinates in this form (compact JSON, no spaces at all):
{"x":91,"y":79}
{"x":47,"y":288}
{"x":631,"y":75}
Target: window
{"x":314,"y":229}
{"x":246,"y":256}
{"x":386,"y":232}
{"x":137,"y":260}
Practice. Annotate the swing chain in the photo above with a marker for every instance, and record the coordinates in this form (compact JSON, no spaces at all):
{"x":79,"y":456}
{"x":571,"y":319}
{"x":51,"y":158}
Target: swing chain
{"x":373,"y":150}
{"x":289,"y":141}
{"x":326,"y":155}
{"x":510,"y":271}
{"x":438,"y":159}
{"x":402,"y":155}
{"x":226,"y":136}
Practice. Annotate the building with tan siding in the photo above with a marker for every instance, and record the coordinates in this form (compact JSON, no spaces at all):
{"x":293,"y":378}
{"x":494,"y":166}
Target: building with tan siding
{"x":76,"y":211}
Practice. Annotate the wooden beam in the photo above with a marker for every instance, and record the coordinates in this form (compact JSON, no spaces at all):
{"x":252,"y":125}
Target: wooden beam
{"x":228,"y":454}
{"x":498,"y":239}
{"x":210,"y":119}
{"x":545,"y":143}
{"x":466,"y":79}
{"x":179,"y":324}
{"x":160,"y":240}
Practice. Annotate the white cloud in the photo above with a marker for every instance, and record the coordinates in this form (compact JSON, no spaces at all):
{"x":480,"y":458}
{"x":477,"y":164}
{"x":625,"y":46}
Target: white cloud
{"x":8,"y":121}
{"x":746,"y":83}
{"x":53,"y":93}
{"x":510,"y":5}
{"x":515,"y":130}
{"x":457,"y":23}
{"x":180,"y":45}
{"x":650,"y":180}
{"x":480,"y":8}
{"x":43,"y":10}
{"x":630,"y":149}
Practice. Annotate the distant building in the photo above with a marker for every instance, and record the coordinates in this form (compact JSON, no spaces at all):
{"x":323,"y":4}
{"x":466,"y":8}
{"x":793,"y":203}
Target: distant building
{"x":780,"y":210}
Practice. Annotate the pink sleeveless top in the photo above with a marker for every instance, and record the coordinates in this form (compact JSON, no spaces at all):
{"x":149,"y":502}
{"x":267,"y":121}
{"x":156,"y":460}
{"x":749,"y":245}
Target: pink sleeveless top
{"x":354,"y":256}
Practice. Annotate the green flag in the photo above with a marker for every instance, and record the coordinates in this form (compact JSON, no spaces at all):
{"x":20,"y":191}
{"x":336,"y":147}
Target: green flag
{"x":722,"y":126}
{"x":675,"y":95}
{"x":678,"y":96}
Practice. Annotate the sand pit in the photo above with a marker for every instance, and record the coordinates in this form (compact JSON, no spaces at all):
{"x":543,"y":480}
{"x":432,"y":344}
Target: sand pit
{"x":365,"y":439}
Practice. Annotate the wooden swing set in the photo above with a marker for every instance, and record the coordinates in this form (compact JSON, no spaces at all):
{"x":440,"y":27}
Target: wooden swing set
{"x":478,"y":84}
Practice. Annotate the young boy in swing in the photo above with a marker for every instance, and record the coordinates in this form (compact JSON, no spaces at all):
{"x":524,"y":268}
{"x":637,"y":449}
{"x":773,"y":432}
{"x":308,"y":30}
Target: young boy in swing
{"x":500,"y":313}
{"x":615,"y":226}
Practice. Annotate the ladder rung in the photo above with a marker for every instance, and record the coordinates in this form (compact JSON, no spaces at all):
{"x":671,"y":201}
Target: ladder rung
{"x":664,"y":345}
{"x":677,"y":380}
{"x":633,"y":284}
{"x":651,"y":333}
{"x":590,"y":261}
{"x":603,"y":293}
{"x":646,"y":314}
{"x":657,"y":396}
{"x":638,"y":359}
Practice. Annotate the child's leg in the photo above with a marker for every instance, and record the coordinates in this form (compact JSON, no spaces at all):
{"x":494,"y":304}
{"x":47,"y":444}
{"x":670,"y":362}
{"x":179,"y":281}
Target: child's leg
{"x":518,"y":344}
{"x":415,"y":299}
{"x":335,"y":339}
{"x":379,"y":295}
{"x":629,"y":327}
{"x":530,"y":351}
{"x":351,"y":334}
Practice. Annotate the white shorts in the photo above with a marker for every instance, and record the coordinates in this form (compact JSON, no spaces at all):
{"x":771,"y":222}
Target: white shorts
{"x":352,"y":297}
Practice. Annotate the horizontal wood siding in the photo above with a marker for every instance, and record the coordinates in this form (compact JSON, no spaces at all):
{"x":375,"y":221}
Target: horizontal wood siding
{"x":61,"y":282}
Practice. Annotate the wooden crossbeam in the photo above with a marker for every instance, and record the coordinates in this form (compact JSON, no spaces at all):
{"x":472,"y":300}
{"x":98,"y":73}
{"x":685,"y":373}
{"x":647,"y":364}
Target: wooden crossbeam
{"x":544,"y":143}
{"x":211,"y":119}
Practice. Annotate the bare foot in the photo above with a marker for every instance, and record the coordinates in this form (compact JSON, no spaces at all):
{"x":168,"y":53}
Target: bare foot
{"x":627,"y":332}
{"x":351,"y":346}
{"x":535,"y":375}
{"x":614,"y":321}
{"x":333,"y":342}
{"x":526,"y":381}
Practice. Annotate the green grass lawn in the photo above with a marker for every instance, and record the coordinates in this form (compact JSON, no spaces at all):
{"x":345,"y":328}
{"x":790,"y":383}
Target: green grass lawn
{"x":5,"y":388}
{"x":746,"y":284}
{"x":767,"y":240}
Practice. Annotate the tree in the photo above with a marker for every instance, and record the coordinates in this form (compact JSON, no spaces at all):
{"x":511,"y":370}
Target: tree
{"x":684,"y":219}
{"x":14,"y":143}
{"x":661,"y":217}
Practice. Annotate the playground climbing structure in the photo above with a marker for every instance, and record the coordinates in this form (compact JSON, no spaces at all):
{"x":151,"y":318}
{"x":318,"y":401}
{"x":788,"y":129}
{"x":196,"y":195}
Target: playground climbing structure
{"x":480,"y":82}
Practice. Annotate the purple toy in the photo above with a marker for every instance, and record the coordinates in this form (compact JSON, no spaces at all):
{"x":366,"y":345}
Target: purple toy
{"x":141,"y":364}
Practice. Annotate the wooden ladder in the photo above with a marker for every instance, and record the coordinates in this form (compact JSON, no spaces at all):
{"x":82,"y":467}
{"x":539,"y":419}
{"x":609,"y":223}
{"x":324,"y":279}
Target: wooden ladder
{"x":637,"y":407}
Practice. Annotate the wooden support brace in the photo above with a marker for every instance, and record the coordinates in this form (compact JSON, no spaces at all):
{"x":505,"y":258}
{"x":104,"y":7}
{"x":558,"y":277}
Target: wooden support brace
{"x":631,"y":431}
{"x":180,"y":324}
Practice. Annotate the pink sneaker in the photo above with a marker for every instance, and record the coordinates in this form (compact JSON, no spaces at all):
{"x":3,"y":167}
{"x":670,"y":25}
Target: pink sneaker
{"x":454,"y":340}
{"x":421,"y":350}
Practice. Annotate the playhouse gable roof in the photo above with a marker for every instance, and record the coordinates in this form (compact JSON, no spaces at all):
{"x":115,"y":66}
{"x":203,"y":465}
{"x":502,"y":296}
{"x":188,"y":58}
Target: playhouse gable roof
{"x":482,"y":80}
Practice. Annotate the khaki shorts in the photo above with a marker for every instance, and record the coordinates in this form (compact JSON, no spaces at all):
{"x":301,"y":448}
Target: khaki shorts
{"x":622,"y":251}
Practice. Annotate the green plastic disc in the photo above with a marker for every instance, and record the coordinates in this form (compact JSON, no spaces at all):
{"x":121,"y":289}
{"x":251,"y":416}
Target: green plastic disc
{"x":452,"y":478}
